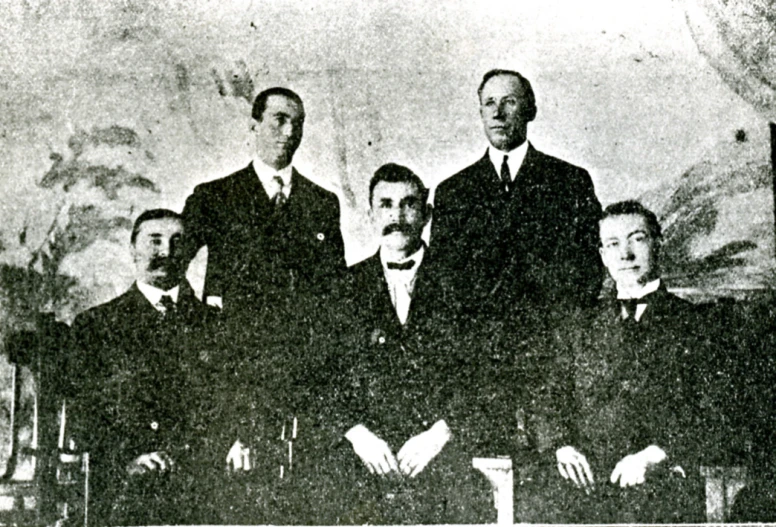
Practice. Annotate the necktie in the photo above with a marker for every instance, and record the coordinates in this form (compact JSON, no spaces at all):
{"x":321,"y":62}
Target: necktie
{"x":279,"y":198}
{"x":167,"y":304}
{"x":506,"y":177}
{"x":630,"y":305}
{"x":403,"y":266}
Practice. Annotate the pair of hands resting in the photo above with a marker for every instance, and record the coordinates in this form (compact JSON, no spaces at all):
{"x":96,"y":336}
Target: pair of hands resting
{"x":411,"y":459}
{"x":629,"y":471}
{"x":154,"y":462}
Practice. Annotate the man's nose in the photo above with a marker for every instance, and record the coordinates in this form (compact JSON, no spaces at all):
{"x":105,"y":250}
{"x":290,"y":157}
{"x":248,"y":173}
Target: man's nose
{"x":626,"y":252}
{"x":163,"y":249}
{"x":499,"y":112}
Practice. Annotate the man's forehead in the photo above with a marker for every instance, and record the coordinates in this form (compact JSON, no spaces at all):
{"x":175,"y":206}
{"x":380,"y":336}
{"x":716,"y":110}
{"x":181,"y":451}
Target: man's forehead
{"x":623,"y":225}
{"x":161,"y":227}
{"x":502,"y":85}
{"x":396,"y":189}
{"x":283,"y":104}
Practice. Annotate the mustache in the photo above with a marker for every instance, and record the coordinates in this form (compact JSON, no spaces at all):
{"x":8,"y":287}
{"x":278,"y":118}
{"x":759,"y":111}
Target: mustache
{"x":160,"y":262}
{"x":397,"y":227}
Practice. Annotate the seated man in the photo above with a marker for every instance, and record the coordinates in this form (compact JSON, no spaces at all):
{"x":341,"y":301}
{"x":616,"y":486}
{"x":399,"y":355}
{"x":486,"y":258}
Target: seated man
{"x":403,"y":381}
{"x":626,"y":393}
{"x":140,"y":361}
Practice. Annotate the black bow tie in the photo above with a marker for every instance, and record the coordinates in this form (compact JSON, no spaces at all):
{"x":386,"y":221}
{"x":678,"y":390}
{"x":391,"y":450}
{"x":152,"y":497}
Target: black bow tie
{"x":630,"y":304}
{"x":403,"y":266}
{"x":167,"y":303}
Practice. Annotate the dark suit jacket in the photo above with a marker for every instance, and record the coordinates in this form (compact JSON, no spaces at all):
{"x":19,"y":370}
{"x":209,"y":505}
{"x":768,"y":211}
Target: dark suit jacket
{"x":618,"y":387}
{"x":402,"y":377}
{"x":256,"y":253}
{"x":145,"y":381}
{"x":398,"y":380}
{"x":537,"y":242}
{"x":623,"y":386}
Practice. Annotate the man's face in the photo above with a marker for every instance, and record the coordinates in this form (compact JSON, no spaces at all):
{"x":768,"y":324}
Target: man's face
{"x":505,"y":112}
{"x":628,"y":251}
{"x":399,"y":214}
{"x":157,"y":253}
{"x":279,"y":132}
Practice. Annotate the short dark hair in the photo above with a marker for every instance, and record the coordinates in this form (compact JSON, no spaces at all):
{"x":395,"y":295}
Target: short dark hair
{"x":393,"y":173}
{"x":149,"y":215}
{"x":525,"y":83}
{"x":622,"y":208}
{"x":260,"y":102}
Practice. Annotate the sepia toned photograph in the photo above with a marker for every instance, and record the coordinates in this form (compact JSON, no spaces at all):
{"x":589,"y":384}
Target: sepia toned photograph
{"x":274,"y":262}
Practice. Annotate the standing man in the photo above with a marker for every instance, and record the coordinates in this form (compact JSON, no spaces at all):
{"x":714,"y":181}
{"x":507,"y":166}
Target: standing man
{"x":140,"y":360}
{"x":406,"y":377}
{"x":270,"y":232}
{"x":629,"y":392}
{"x":518,"y":224}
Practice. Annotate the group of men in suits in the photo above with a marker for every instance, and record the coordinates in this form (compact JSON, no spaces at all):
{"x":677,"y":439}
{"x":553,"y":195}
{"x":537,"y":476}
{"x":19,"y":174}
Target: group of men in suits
{"x":321,"y":394}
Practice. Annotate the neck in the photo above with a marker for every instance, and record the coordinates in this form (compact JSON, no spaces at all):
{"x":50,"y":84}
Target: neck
{"x":277,"y":164}
{"x":633,"y":290}
{"x":400,"y":253}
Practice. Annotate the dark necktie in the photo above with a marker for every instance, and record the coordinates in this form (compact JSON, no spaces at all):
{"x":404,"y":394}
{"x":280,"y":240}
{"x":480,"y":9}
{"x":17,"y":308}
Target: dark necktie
{"x":279,"y":198}
{"x":630,"y":305}
{"x":167,"y":303}
{"x":506,"y":177}
{"x":403,"y":266}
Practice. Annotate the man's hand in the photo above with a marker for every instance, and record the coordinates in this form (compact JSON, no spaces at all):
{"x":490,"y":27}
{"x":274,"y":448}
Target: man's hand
{"x":574,"y":466}
{"x":632,"y":469}
{"x":153,"y":462}
{"x":372,"y":450}
{"x":238,"y":458}
{"x":418,"y":451}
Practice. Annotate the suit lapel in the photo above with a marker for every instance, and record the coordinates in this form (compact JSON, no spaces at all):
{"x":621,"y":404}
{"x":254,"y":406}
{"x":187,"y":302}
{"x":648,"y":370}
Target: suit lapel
{"x":253,"y":194}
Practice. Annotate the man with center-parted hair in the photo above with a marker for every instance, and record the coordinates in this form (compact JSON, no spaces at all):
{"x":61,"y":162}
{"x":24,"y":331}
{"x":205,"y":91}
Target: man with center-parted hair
{"x":139,"y":373}
{"x":626,"y":411}
{"x":404,"y":378}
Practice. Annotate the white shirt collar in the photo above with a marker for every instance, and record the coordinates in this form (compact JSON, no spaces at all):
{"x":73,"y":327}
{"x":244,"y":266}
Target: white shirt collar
{"x":649,"y":287}
{"x":416,"y":257}
{"x":515,"y":160}
{"x":154,"y":294}
{"x":266,"y":176}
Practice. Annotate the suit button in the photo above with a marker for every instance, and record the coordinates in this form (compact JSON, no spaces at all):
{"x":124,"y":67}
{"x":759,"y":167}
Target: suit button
{"x":154,"y":425}
{"x":320,"y":236}
{"x":381,"y":340}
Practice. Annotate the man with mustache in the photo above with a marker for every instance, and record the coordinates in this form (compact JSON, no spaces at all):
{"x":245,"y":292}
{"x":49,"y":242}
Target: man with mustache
{"x":272,"y":235}
{"x":139,"y":369}
{"x":404,"y":377}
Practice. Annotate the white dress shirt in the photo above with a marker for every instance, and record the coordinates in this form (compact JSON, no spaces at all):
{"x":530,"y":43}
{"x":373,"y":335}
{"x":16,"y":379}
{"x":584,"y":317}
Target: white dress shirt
{"x":649,"y":287}
{"x":515,"y":161}
{"x":267,"y":176}
{"x":154,"y":294}
{"x":401,"y":283}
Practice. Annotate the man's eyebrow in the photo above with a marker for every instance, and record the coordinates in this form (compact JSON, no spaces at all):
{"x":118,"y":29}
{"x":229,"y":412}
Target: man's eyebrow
{"x":637,"y":231}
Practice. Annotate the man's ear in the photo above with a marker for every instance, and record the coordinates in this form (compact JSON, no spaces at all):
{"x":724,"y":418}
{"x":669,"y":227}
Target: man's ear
{"x":428,"y":213}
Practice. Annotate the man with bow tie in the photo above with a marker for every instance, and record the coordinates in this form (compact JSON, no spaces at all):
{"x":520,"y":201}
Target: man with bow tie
{"x":625,"y":423}
{"x":272,"y":235}
{"x":405,"y":377}
{"x":137,"y":381}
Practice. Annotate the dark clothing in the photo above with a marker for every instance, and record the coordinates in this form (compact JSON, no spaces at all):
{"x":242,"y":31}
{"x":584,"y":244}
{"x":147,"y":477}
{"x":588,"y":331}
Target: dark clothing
{"x":618,"y":387}
{"x":398,"y":380}
{"x":145,"y":380}
{"x":535,"y":243}
{"x":261,"y":254}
